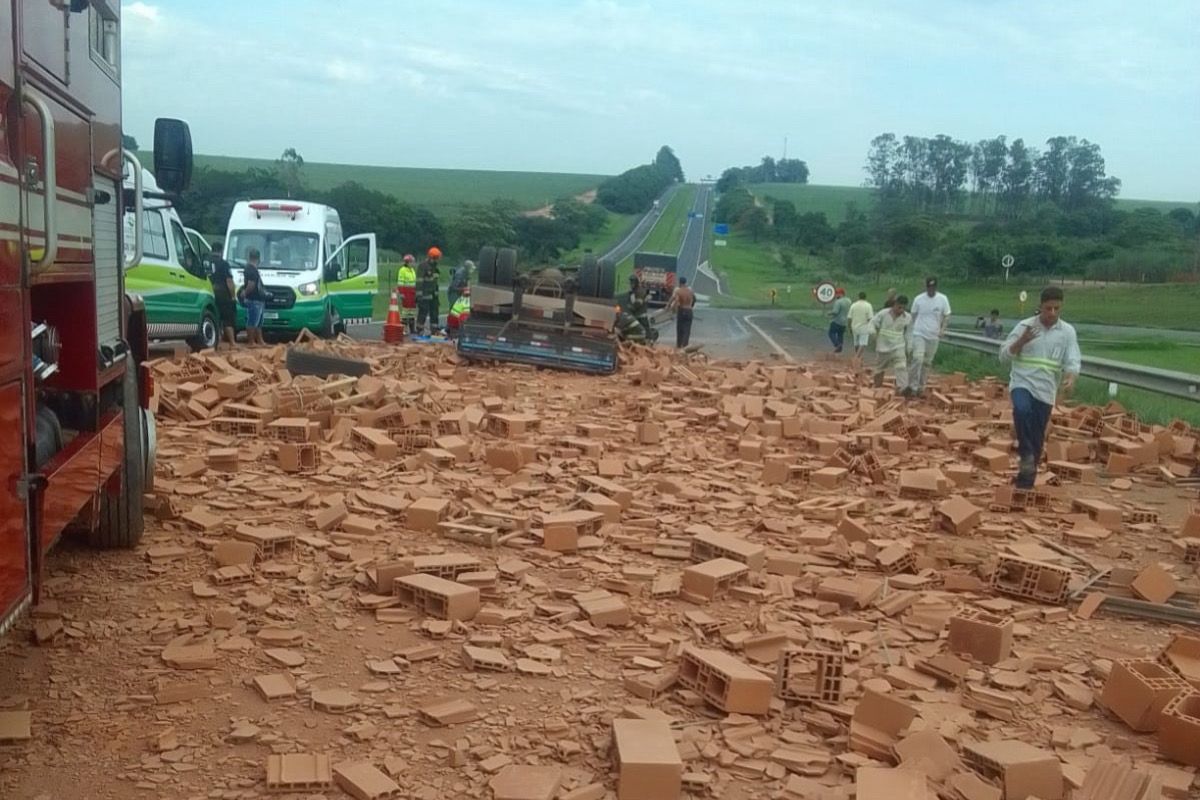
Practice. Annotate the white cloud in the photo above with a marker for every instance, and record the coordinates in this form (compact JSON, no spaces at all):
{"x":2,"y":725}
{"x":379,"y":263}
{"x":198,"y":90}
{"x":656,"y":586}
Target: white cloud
{"x":347,"y":71}
{"x":144,"y":11}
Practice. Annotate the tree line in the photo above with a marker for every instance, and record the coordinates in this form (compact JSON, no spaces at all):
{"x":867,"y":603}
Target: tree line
{"x":402,"y":227}
{"x":785,"y":170}
{"x":635,"y":190}
{"x":947,"y":175}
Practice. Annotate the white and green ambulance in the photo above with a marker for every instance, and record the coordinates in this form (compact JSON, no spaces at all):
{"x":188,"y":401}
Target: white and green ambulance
{"x":314,"y":277}
{"x":169,"y":273}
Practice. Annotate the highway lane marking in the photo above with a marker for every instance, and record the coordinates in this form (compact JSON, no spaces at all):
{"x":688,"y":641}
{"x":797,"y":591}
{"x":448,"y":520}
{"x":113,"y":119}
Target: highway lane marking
{"x":662,"y":206}
{"x":767,"y":338}
{"x":745,"y":331}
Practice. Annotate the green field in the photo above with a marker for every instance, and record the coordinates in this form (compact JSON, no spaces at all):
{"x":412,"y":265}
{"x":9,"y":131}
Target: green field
{"x":1160,"y":353}
{"x":833,"y":199}
{"x":667,"y":234}
{"x":440,"y":190}
{"x":809,"y":198}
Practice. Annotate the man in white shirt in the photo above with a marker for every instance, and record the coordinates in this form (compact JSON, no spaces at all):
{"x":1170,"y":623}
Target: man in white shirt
{"x":891,"y":326}
{"x":859,"y":318}
{"x":931,"y":316}
{"x":1042,"y":350}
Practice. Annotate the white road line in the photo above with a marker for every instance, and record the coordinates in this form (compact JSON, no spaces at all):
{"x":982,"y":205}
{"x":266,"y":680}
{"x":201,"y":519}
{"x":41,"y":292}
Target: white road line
{"x":662,"y":207}
{"x":766,"y":338}
{"x":738,"y":323}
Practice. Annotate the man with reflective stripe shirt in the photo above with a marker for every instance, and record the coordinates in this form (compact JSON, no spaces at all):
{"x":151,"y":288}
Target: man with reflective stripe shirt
{"x":1043,"y":350}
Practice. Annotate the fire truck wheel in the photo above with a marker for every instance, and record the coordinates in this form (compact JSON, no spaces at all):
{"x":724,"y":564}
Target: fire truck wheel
{"x":606,"y":284}
{"x":506,"y":267}
{"x":121,"y":523}
{"x":209,"y":334}
{"x":49,"y":439}
{"x":487,"y":266}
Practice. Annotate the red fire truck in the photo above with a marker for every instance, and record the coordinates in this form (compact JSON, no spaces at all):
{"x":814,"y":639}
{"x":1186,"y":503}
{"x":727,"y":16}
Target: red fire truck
{"x":76,"y":434}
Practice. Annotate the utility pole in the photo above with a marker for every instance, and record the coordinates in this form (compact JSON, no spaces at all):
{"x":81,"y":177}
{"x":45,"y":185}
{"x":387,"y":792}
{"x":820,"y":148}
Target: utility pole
{"x":785,"y":147}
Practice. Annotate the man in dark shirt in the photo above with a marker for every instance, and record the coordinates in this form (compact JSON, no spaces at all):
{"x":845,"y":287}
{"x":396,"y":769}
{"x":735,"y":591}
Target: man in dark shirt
{"x":224,"y":293}
{"x":254,"y":297}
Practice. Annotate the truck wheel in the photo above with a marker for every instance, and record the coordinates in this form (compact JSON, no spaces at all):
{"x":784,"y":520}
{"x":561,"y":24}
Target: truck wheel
{"x":606,"y":282}
{"x":487,"y":265}
{"x":121,"y":523}
{"x":310,"y":362}
{"x":208,"y":335}
{"x":506,"y":267}
{"x":49,"y":435}
{"x":589,"y":276}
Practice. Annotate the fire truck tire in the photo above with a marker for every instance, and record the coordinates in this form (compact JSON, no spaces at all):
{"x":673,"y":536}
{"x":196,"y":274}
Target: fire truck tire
{"x":487,"y":266}
{"x":209,"y":333}
{"x":606,"y":282}
{"x":506,"y":266}
{"x":49,"y":435}
{"x":589,"y":276}
{"x":309,"y":362}
{"x":121,"y":523}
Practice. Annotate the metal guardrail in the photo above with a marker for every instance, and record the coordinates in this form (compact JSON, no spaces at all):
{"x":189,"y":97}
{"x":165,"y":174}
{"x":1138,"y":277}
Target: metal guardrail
{"x":1183,"y":385}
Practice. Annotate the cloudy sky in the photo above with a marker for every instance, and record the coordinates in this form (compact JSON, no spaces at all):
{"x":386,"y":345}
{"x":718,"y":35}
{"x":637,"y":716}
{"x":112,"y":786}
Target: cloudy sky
{"x":598,"y":85}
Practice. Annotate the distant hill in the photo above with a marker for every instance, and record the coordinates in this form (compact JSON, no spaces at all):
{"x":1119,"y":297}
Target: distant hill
{"x":440,"y":190}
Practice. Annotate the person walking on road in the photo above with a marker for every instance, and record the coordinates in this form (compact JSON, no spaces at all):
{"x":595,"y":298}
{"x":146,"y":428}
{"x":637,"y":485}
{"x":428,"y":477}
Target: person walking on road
{"x":254,"y":297}
{"x":683,"y":303}
{"x":839,"y":311}
{"x":931,"y":317}
{"x":406,"y":286}
{"x":459,"y":280}
{"x":891,"y":327}
{"x":428,"y":278}
{"x":859,"y":318}
{"x":1045,"y":358}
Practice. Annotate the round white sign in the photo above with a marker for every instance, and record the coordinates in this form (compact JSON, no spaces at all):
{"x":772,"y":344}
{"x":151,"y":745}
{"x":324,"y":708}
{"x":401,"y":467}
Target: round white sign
{"x":825,"y":292}
{"x":1007,"y":261}
{"x":1023,"y":296}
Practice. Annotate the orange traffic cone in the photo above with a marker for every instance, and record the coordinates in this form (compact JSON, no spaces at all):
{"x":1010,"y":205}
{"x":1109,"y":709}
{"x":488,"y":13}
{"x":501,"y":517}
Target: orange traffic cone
{"x":393,"y":328}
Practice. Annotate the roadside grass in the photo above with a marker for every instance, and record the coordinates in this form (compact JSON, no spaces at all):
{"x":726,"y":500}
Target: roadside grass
{"x":1161,"y":353}
{"x":439,"y":190}
{"x":1149,"y":407}
{"x":667,"y":234}
{"x":616,"y":227}
{"x":751,"y":269}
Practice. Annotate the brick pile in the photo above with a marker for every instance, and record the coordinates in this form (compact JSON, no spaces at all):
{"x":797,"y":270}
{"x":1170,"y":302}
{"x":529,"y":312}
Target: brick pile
{"x":715,"y":579}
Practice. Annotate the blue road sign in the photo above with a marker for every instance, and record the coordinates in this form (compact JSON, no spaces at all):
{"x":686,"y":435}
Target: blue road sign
{"x":721,"y":229}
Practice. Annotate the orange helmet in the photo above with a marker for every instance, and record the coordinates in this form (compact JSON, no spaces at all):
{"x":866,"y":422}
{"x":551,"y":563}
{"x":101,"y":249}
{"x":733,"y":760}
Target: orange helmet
{"x":408,"y":258}
{"x":434,"y":253}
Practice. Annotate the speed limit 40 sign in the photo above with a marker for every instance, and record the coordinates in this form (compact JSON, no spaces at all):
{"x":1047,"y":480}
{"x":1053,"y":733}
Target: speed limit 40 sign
{"x":824,"y":292}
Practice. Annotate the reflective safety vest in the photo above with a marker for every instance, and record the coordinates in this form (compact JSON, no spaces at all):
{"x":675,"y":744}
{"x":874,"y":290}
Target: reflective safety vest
{"x":407,"y":276}
{"x":461,"y":306}
{"x":406,"y":282}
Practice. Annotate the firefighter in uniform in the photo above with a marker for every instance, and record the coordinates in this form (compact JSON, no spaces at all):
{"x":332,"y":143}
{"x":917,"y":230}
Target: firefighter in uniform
{"x":406,"y":285}
{"x":428,"y":278}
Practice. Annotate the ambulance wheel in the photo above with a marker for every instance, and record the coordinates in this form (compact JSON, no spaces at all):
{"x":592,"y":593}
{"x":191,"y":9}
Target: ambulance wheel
{"x":121,"y":523}
{"x":329,"y":324}
{"x":506,"y":267}
{"x":606,"y":281}
{"x":487,"y":266}
{"x":209,"y":334}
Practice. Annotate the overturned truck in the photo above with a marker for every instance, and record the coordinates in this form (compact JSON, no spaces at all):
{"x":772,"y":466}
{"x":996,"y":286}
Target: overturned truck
{"x":559,"y":318}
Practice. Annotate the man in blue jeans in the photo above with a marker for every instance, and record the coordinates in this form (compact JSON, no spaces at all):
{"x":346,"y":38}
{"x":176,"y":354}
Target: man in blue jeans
{"x":1043,"y":351}
{"x":254,"y":297}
